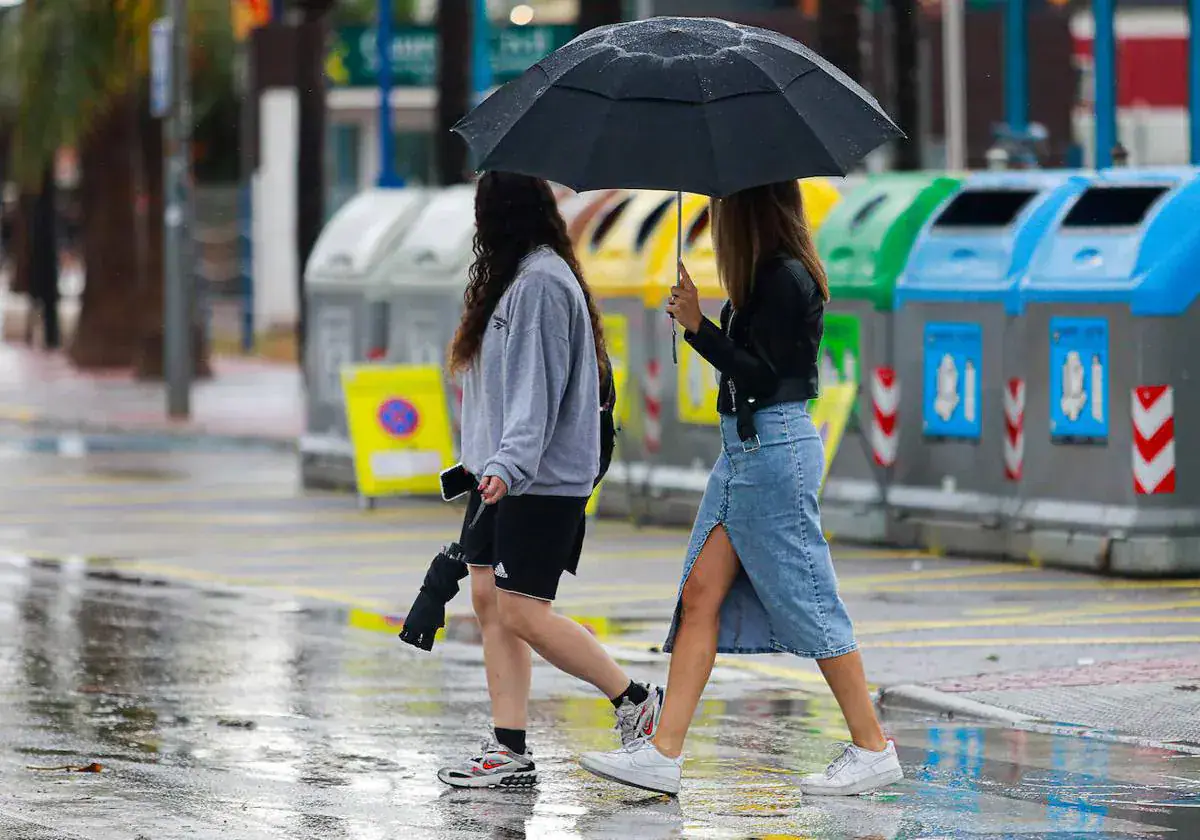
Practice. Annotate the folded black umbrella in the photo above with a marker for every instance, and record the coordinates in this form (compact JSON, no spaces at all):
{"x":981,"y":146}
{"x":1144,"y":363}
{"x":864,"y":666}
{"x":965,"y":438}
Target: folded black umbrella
{"x":428,"y":612}
{"x":688,"y":104}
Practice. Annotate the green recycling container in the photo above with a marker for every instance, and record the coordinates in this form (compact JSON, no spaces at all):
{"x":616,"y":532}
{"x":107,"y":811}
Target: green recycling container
{"x":864,"y":245}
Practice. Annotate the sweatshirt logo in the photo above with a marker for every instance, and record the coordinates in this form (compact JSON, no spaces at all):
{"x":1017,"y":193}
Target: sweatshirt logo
{"x":499,"y":323}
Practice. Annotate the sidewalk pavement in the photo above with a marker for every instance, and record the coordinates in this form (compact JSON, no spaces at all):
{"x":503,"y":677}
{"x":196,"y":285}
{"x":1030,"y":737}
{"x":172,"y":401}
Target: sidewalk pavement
{"x":248,"y":399}
{"x":1153,"y":702}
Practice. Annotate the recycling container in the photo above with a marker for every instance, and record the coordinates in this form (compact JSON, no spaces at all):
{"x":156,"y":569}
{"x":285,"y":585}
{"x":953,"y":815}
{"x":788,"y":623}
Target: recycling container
{"x":958,"y":342}
{"x":345,"y":279}
{"x":580,"y":209}
{"x":427,"y":276}
{"x":864,"y":244}
{"x":1110,"y":305}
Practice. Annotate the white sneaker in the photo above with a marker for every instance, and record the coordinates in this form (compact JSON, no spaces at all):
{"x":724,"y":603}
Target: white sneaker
{"x":641,"y":720}
{"x":855,"y":771}
{"x":639,"y":765}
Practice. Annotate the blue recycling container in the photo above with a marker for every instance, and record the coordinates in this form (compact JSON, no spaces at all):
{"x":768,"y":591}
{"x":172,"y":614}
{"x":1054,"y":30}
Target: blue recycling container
{"x":1111,"y":328}
{"x":958,"y":342}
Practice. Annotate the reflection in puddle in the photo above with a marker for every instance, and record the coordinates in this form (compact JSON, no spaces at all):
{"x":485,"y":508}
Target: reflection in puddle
{"x":235,"y":717}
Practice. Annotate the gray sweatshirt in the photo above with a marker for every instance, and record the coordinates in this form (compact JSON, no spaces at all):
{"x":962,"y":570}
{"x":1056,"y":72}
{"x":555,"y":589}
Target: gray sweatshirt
{"x":531,"y":400}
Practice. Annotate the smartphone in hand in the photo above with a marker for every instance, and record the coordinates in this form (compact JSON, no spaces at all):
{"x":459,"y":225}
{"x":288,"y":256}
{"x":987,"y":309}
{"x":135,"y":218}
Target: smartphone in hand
{"x":456,"y":482}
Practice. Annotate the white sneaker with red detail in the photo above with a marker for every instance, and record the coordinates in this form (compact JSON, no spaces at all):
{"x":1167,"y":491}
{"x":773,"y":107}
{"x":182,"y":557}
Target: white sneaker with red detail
{"x":495,"y":766}
{"x":855,"y":771}
{"x":640,"y":720}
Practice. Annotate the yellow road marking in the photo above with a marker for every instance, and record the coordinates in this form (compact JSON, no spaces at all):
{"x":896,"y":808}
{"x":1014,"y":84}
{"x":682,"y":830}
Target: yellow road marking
{"x":17,"y":414}
{"x":1049,"y":618}
{"x":766,"y":669}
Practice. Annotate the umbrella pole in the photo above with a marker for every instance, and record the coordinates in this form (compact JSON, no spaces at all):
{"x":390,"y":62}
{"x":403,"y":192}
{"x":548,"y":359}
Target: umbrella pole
{"x":678,"y":260}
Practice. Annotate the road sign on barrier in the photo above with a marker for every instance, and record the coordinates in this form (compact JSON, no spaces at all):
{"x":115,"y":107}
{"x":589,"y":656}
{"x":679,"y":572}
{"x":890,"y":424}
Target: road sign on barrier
{"x":399,"y":428}
{"x":1078,"y":380}
{"x":953,"y":359}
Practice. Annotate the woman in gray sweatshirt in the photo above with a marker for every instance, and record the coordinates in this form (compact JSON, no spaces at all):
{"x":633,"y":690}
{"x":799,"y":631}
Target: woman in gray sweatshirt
{"x":531,"y":354}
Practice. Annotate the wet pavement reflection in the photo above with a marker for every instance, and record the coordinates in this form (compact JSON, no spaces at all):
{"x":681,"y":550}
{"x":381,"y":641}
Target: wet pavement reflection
{"x":247,"y":716}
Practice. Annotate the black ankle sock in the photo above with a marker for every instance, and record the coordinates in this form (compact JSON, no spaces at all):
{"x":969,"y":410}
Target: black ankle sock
{"x":512,"y":739}
{"x":636,"y":693}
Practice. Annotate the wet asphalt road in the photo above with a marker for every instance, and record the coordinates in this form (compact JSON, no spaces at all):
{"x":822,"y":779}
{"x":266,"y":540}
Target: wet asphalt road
{"x":195,"y":625}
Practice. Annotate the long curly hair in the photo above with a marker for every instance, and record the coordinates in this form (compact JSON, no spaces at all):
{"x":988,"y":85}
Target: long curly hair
{"x":514,"y":215}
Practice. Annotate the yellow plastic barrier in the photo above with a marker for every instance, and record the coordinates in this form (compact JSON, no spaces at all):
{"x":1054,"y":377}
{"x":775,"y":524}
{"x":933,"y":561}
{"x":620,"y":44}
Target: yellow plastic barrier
{"x":399,"y":428}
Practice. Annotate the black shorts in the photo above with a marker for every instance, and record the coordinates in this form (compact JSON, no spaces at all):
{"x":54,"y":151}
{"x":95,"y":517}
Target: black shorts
{"x":528,"y":540}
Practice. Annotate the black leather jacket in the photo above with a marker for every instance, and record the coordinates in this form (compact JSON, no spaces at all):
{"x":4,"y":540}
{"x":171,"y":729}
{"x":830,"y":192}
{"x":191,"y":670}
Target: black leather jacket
{"x":767,"y":352}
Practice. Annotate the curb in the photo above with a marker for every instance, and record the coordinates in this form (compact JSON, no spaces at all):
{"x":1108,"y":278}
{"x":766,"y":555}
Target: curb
{"x":38,"y":422}
{"x":922,"y":698}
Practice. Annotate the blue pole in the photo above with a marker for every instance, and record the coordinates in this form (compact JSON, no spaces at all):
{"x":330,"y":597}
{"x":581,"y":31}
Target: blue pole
{"x":1104,"y":49}
{"x":1194,"y":79}
{"x":388,"y":176}
{"x":481,"y":53}
{"x":1016,"y":68}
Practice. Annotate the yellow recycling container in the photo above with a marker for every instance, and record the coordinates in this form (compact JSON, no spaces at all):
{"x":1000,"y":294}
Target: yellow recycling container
{"x":399,"y":429}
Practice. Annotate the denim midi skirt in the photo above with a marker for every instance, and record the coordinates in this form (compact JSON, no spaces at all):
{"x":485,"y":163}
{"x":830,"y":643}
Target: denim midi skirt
{"x":786,"y":597}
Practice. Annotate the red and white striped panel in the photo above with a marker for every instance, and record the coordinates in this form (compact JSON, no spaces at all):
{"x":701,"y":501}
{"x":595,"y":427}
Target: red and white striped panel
{"x":652,"y":437}
{"x":1014,"y":429}
{"x":1154,"y":439}
{"x":885,"y":406}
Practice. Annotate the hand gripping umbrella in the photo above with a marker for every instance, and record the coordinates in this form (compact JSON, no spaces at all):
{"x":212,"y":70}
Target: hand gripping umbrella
{"x":684,"y":104}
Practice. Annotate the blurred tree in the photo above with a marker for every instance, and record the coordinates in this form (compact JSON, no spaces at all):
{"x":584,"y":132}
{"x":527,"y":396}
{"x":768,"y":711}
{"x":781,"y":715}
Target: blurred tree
{"x":80,"y":69}
{"x":364,"y":12}
{"x":838,"y":35}
{"x":906,"y":81}
{"x":593,"y":13}
{"x":454,"y":87}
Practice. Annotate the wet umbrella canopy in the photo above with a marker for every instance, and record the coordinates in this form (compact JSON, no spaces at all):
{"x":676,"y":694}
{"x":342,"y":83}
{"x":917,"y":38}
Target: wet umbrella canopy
{"x":692,"y":104}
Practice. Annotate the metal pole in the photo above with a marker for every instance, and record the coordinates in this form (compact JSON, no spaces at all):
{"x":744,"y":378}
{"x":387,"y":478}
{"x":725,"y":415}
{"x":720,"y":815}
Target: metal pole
{"x":481,"y":52}
{"x":1194,"y":80}
{"x":955,"y":84}
{"x":388,"y":177}
{"x":1016,"y":67}
{"x":1104,"y":51}
{"x":177,"y":327}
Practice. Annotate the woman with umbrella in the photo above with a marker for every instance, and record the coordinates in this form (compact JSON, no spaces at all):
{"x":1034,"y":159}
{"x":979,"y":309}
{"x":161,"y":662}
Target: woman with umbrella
{"x":736,"y":113}
{"x":531,"y":351}
{"x":759,"y":576}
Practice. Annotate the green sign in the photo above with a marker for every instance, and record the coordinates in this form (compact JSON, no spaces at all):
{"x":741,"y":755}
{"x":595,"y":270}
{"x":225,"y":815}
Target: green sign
{"x":841,"y":350}
{"x":353,"y":59}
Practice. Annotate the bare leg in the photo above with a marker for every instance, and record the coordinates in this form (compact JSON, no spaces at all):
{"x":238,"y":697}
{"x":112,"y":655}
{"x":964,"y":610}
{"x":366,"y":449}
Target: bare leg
{"x":562,"y":642}
{"x":848,"y":681}
{"x":505,"y":656}
{"x":712,"y":576}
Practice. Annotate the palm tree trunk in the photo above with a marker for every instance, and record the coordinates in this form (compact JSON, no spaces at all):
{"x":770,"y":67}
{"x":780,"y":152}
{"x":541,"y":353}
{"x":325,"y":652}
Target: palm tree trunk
{"x":107,"y":335}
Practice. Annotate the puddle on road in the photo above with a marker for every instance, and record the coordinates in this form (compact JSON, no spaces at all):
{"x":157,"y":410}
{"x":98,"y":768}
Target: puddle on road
{"x":317,"y":729}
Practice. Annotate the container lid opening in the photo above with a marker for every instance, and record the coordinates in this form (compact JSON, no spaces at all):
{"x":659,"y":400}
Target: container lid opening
{"x":650,"y":222}
{"x":984,"y":208}
{"x":698,"y":227}
{"x":1106,"y":207}
{"x":867,"y":210}
{"x":606,"y":223}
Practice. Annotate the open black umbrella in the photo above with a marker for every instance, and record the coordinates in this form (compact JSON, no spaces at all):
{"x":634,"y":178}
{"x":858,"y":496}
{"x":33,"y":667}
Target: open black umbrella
{"x":687,"y":104}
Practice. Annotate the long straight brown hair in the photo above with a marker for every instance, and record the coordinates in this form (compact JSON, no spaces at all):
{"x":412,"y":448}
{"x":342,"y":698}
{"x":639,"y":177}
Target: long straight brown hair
{"x":755,"y":223}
